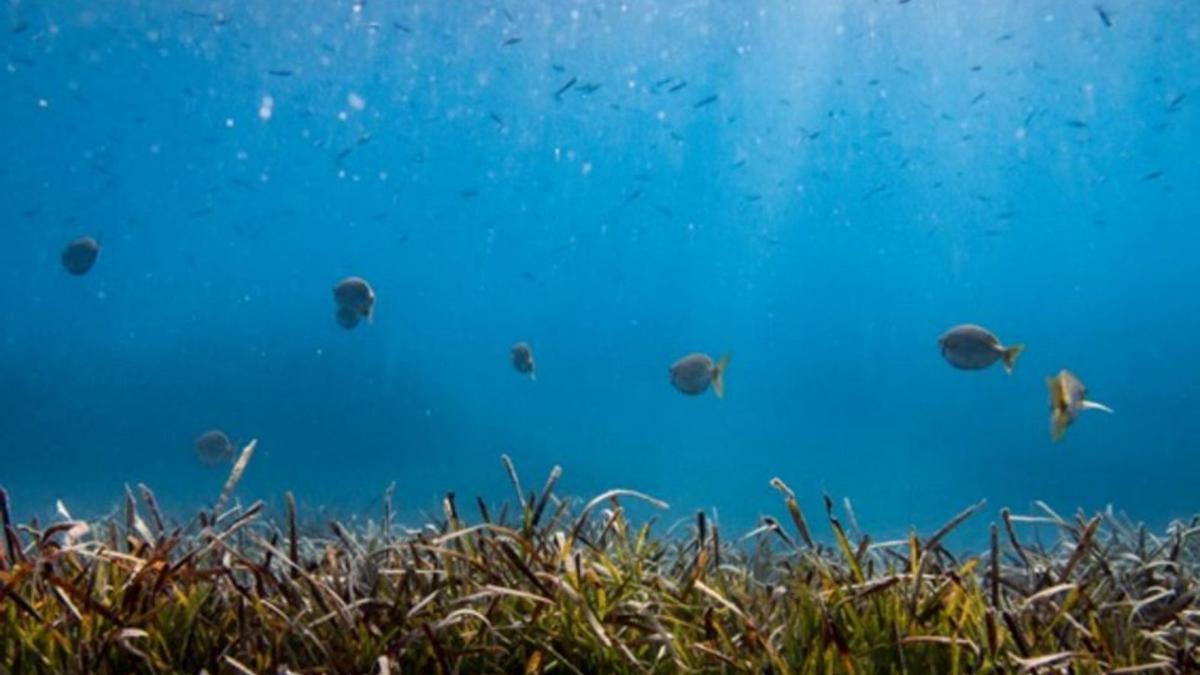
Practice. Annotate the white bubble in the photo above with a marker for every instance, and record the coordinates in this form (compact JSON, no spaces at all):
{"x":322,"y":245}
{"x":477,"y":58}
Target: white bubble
{"x":265,"y":108}
{"x":355,"y":101}
{"x":585,"y":168}
{"x":43,"y":103}
{"x":228,"y":122}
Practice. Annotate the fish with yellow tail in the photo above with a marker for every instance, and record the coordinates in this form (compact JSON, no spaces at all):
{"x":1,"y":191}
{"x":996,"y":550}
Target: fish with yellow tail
{"x":1068,"y":398}
{"x":971,"y":347}
{"x":694,"y":373}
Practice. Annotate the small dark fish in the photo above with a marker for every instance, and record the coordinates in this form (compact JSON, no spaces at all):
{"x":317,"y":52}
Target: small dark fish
{"x":79,"y":256}
{"x":528,"y":276}
{"x":213,"y":447}
{"x":510,"y":42}
{"x":344,"y":154}
{"x":1103,"y":16}
{"x":497,"y":119}
{"x":522,"y":359}
{"x":354,"y":296}
{"x":1005,"y":38}
{"x":971,"y":347}
{"x":753,"y":197}
{"x":1030,"y":117}
{"x":693,"y":374}
{"x":1068,"y":398}
{"x":590,"y":87}
{"x":1152,"y":175}
{"x":874,"y":191}
{"x":401,"y":27}
{"x":1076,"y":124}
{"x":1174,"y":104}
{"x":976,"y":68}
{"x":677,"y":87}
{"x":21,"y":27}
{"x":468,"y":193}
{"x":633,"y":195}
{"x":706,"y":101}
{"x":563,"y":89}
{"x":280,"y":72}
{"x":978,"y":97}
{"x":662,"y":83}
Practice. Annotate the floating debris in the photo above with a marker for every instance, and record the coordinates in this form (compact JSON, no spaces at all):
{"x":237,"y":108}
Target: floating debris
{"x":79,"y":256}
{"x":694,"y":373}
{"x":1068,"y":398}
{"x":971,"y":347}
{"x":522,"y":359}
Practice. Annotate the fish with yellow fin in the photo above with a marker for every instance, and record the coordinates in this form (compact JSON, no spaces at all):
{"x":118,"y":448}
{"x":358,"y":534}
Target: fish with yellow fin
{"x":694,"y":373}
{"x":1068,"y":398}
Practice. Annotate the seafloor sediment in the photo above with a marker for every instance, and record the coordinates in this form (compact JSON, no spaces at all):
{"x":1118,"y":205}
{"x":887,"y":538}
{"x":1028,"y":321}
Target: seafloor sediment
{"x":553,"y":585}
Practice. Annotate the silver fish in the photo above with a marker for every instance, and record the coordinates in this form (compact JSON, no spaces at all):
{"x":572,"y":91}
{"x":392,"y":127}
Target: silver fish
{"x":522,"y":359}
{"x":971,"y":347}
{"x":79,"y":256}
{"x":1068,"y":398}
{"x":694,"y":373}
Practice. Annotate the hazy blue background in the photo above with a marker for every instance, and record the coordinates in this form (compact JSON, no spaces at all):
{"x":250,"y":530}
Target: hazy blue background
{"x":871,"y":174}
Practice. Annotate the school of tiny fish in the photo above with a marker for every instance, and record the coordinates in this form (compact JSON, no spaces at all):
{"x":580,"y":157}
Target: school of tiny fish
{"x":967,"y":347}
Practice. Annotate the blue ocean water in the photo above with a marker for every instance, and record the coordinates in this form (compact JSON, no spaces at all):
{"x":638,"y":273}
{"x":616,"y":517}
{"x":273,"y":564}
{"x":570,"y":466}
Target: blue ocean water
{"x":868,"y":175}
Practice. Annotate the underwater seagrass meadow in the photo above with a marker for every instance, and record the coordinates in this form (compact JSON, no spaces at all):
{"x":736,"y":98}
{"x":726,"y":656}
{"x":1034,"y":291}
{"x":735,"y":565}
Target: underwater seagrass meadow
{"x":595,"y":336}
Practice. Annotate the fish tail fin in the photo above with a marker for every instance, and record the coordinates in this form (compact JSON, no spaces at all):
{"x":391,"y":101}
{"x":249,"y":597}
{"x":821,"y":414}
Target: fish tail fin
{"x":1010,"y":357}
{"x":718,"y":376}
{"x":1092,"y":405}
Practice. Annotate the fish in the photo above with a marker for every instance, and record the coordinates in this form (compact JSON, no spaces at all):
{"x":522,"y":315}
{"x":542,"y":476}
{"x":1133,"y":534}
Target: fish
{"x":1103,"y":16}
{"x":971,"y":347}
{"x":354,"y":296}
{"x":1174,"y":104}
{"x":978,"y":98}
{"x":522,"y":359}
{"x":79,"y":256}
{"x":563,"y":89}
{"x":280,"y":72}
{"x":677,"y":87}
{"x":706,"y":101}
{"x":693,"y":374}
{"x":1068,"y":398}
{"x":511,"y":41}
{"x":213,"y":447}
{"x":1152,"y":175}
